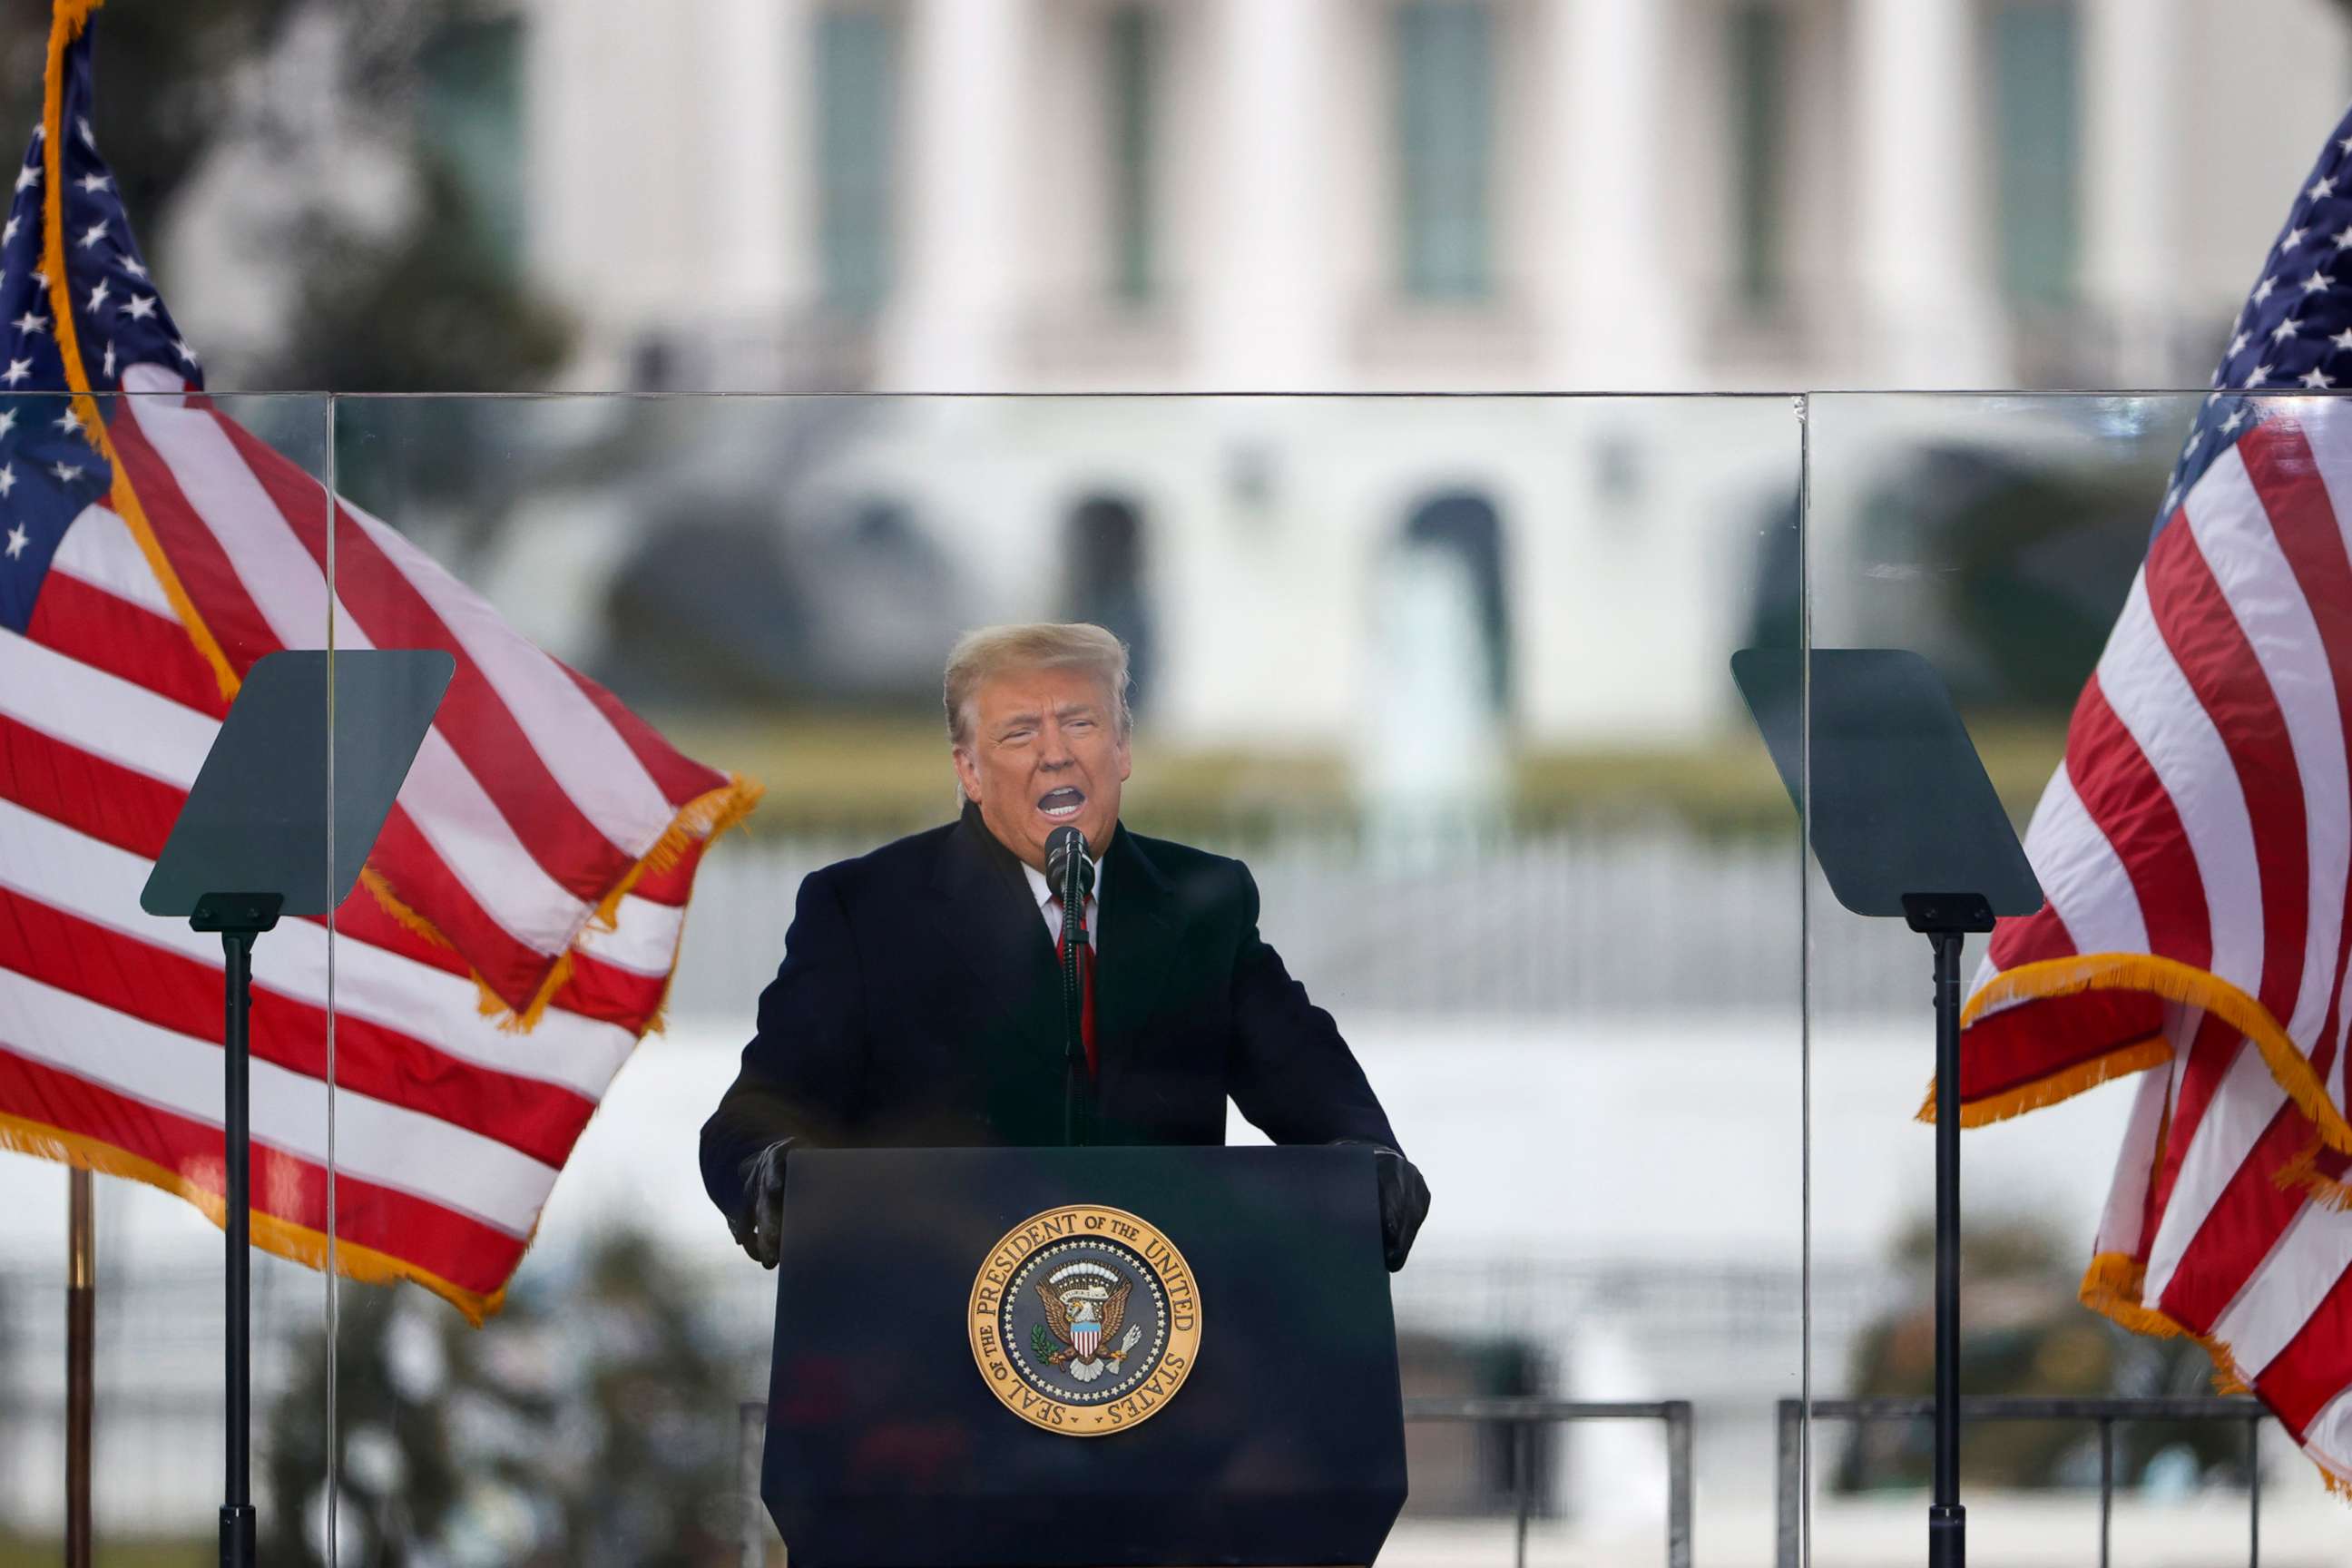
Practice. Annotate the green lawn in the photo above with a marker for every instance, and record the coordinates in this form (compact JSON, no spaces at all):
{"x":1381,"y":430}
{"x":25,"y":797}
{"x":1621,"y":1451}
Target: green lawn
{"x":882,"y":771}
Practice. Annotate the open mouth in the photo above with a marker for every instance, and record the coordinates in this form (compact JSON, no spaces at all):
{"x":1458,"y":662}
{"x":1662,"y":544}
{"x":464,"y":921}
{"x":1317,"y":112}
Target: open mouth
{"x":1063,"y":804}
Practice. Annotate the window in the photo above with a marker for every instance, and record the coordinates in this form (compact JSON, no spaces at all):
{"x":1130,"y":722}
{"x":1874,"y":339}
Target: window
{"x":856,"y":103}
{"x":1108,"y":580}
{"x":470,"y":117}
{"x":1132,"y":43}
{"x":1759,"y":107}
{"x":1463,"y":526}
{"x":1445,"y":101}
{"x":2036,"y":70}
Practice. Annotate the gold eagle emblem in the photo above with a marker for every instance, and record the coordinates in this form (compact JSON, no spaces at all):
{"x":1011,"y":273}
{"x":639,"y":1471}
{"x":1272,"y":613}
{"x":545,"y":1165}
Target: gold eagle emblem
{"x":1086,"y":1306}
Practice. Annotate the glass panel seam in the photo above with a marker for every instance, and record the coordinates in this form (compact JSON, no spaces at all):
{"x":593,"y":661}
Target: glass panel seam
{"x":1804,"y":984}
{"x":334,"y":1446}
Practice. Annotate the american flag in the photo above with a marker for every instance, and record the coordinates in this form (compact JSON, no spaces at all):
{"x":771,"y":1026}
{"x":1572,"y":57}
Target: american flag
{"x":519,"y":916}
{"x":2195,"y":846}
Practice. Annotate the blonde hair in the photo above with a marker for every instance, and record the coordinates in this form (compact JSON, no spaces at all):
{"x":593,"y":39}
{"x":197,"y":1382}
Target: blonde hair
{"x":1041,"y":644}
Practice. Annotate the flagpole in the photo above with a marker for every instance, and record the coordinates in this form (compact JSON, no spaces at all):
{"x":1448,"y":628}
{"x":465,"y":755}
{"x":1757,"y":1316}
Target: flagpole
{"x":82,"y":1323}
{"x":66,"y":20}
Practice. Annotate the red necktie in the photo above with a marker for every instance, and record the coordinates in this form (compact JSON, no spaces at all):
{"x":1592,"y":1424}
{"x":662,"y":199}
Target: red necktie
{"x":1086,"y":986}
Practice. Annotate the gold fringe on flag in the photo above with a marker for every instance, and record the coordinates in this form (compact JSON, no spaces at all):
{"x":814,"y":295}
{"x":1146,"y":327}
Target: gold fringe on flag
{"x":389,"y":903}
{"x":298,"y":1242}
{"x":2064,"y":1084}
{"x":2162,"y":978}
{"x":2112,"y":1287}
{"x":700,"y":819}
{"x":2302,"y":1175}
{"x":66,"y":25}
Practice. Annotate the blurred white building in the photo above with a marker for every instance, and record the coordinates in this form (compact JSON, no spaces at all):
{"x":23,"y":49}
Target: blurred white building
{"x":1383,"y":194}
{"x":1348,"y":196}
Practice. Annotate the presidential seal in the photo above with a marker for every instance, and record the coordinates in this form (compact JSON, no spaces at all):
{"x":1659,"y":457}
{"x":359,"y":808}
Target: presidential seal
{"x":1084,"y":1320}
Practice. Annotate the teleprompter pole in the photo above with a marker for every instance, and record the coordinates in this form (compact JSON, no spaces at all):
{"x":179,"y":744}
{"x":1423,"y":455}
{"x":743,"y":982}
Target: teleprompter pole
{"x":239,"y":918}
{"x":1948,"y":1521}
{"x":237,"y":1532}
{"x":1944,"y":920}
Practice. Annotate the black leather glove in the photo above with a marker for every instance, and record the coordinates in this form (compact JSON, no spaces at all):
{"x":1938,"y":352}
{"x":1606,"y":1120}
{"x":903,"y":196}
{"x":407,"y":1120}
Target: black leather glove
{"x":759,"y":1223}
{"x":1405,"y":1200}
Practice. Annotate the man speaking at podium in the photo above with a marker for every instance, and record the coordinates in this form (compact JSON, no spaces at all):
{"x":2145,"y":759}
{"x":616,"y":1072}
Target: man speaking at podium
{"x":920,"y":1002}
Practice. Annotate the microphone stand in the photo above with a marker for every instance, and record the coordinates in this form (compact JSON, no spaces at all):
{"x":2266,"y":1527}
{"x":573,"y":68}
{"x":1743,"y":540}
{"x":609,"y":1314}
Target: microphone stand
{"x":1075,"y":1089}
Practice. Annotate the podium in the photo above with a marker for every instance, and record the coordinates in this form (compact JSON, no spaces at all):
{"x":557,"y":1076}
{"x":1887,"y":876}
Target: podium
{"x":1060,"y":1357}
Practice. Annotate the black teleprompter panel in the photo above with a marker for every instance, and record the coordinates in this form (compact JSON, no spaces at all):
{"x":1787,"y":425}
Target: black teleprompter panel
{"x":1900,"y":802}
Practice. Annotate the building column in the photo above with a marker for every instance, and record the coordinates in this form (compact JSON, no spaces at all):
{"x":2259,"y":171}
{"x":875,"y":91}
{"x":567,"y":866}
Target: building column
{"x":603,"y":229}
{"x":1622,"y":319}
{"x":2131,"y":174}
{"x":762,"y":116}
{"x":1266,"y":313}
{"x":950,"y":323}
{"x":1928,"y":314}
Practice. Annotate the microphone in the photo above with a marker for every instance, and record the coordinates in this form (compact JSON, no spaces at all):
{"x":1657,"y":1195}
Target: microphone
{"x":1065,"y":856}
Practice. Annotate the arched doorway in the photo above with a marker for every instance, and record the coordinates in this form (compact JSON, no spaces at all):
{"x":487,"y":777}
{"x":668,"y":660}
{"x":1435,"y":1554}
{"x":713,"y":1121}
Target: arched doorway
{"x":1466,"y":524}
{"x":1108,"y":580}
{"x":1434,"y":761}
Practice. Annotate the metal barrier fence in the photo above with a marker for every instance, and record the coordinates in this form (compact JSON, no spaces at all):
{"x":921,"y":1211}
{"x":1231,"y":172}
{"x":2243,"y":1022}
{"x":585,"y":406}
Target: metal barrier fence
{"x":2104,"y":1412}
{"x":1522,"y":1413}
{"x":1518,"y":1414}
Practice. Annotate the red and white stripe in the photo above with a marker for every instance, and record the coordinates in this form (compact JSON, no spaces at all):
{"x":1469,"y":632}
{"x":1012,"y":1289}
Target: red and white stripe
{"x":526,"y":804}
{"x":2203,"y":816}
{"x":535,"y":796}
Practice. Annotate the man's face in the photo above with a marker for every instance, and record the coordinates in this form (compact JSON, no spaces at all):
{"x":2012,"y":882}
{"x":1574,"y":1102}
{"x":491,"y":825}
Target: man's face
{"x":1045,"y":753}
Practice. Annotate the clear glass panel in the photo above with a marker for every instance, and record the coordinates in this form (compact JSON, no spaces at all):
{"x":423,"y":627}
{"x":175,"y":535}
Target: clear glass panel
{"x":129,"y":571}
{"x":1450,"y":675}
{"x":2003,"y":538}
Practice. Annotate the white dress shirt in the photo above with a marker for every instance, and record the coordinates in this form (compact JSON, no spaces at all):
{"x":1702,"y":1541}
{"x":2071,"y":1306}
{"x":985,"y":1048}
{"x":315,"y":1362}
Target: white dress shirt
{"x":1043,"y":892}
